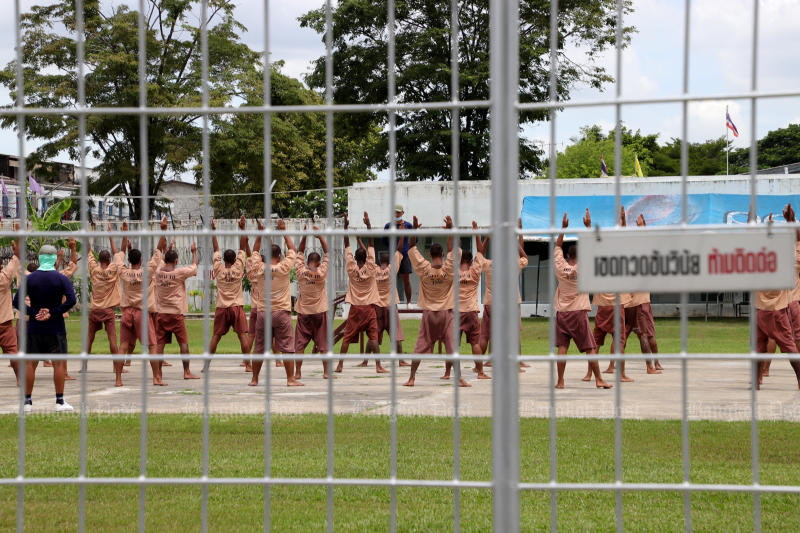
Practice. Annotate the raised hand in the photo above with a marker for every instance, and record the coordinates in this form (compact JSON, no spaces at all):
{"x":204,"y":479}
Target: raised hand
{"x":194,"y":247}
{"x":415,"y":224}
{"x":587,"y":219}
{"x":346,"y":221}
{"x":622,"y":221}
{"x":124,"y":225}
{"x":281,"y":225}
{"x":59,"y":255}
{"x":259,"y":225}
{"x":640,"y":220}
{"x":213,"y":225}
{"x":565,"y":221}
{"x":474,"y":225}
{"x":164,"y":223}
{"x":788,"y":213}
{"x":242,"y":222}
{"x":366,"y":220}
{"x":448,"y":222}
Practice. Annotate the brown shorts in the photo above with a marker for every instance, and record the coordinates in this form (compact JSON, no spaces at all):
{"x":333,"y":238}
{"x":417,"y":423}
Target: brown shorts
{"x":361,"y":318}
{"x":226,"y":318}
{"x":486,"y":323}
{"x":130,"y":327}
{"x":311,"y":328}
{"x":383,"y":316}
{"x":168,"y":324}
{"x":436,"y":326}
{"x":776,"y":325}
{"x":98,"y":318}
{"x":644,"y":319}
{"x":604,"y":324}
{"x":794,"y":317}
{"x":471,"y":326}
{"x":574,"y":325}
{"x":251,"y":329}
{"x":281,"y":332}
{"x":8,"y":337}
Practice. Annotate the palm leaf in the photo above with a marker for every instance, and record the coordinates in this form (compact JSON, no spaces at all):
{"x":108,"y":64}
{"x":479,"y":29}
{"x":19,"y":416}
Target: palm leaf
{"x":34,"y":217}
{"x":55,"y":211}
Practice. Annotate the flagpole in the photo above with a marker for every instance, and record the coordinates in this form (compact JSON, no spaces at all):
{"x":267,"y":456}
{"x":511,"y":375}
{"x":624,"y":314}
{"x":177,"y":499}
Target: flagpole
{"x":727,"y":146}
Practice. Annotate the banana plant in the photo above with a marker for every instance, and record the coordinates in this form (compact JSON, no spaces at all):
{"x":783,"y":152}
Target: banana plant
{"x":50,"y":222}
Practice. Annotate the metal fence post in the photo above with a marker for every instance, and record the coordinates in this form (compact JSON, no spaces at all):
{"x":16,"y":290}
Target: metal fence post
{"x":504,"y":79}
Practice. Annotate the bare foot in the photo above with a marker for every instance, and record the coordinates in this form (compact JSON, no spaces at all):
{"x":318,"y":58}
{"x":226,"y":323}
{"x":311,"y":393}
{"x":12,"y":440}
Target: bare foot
{"x":189,"y":375}
{"x":651,"y":370}
{"x":587,"y":377}
{"x":298,"y":375}
{"x":159,"y":383}
{"x":403,"y":363}
{"x":128,"y":363}
{"x":253,"y":383}
{"x":363,"y":363}
{"x":124,"y":371}
{"x":446,"y":376}
{"x":46,"y":364}
{"x":381,"y":370}
{"x":118,"y":383}
{"x":609,"y":370}
{"x":626,"y":379}
{"x":294,"y":383}
{"x":481,"y":375}
{"x":278,"y":363}
{"x":603,"y":385}
{"x":68,"y":377}
{"x":248,"y":368}
{"x":524,"y":365}
{"x":243,"y":364}
{"x":766,"y":373}
{"x":522,"y":371}
{"x":409,"y":383}
{"x":338,"y":368}
{"x":560,"y":385}
{"x":462,"y":383}
{"x":658,"y":365}
{"x":166,"y":363}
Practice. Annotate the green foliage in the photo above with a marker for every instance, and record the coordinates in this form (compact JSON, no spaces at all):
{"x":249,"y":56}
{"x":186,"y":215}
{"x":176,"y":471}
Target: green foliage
{"x":49,"y":221}
{"x":778,"y":147}
{"x":298,"y":155}
{"x":582,"y":158}
{"x":173,"y":73}
{"x":423,"y":66}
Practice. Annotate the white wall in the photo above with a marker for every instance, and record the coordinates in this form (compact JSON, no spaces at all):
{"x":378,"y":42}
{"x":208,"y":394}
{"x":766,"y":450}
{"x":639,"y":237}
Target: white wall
{"x":431,"y":201}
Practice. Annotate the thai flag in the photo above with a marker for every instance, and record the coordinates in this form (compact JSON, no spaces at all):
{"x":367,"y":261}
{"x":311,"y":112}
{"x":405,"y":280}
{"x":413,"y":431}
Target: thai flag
{"x":603,"y":167}
{"x":731,"y":125}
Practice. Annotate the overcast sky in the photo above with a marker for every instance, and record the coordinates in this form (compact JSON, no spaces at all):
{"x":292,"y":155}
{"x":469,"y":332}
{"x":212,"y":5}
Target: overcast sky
{"x":720,"y":59}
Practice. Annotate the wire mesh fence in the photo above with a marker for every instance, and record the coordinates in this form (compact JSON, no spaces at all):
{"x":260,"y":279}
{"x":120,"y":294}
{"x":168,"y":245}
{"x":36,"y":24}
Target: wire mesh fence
{"x":505,"y":107}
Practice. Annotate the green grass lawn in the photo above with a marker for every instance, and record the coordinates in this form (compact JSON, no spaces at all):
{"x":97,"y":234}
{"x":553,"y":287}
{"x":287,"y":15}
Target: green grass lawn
{"x":720,"y":453}
{"x":714,"y":336}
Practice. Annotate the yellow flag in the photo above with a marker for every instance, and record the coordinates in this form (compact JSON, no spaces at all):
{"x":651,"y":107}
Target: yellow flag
{"x":638,"y":166}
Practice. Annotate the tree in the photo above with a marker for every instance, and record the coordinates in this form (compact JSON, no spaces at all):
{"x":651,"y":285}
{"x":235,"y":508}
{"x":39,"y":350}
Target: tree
{"x":778,"y":147}
{"x":423,"y":73}
{"x":173,"y":80}
{"x":298,"y":154}
{"x":582,"y":158}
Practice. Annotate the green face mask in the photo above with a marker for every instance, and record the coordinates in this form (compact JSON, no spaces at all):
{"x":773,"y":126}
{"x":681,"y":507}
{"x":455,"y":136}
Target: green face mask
{"x":47,"y":261}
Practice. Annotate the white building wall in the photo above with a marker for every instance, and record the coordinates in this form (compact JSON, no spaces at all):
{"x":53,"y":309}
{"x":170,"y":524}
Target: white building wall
{"x":431,"y":201}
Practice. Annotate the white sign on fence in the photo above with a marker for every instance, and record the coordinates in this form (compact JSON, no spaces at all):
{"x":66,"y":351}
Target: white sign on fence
{"x":696,"y":260}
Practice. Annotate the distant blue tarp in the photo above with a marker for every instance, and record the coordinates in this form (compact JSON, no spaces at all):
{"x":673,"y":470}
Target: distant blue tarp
{"x":658,"y":209}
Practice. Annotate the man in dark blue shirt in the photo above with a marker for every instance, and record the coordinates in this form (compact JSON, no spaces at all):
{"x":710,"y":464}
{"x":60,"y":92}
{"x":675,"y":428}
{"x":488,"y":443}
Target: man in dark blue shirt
{"x":405,"y":265}
{"x":46,"y":288}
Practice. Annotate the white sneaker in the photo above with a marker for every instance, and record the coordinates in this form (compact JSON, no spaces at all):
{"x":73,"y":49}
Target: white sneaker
{"x":27,"y":408}
{"x":63,"y":407}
